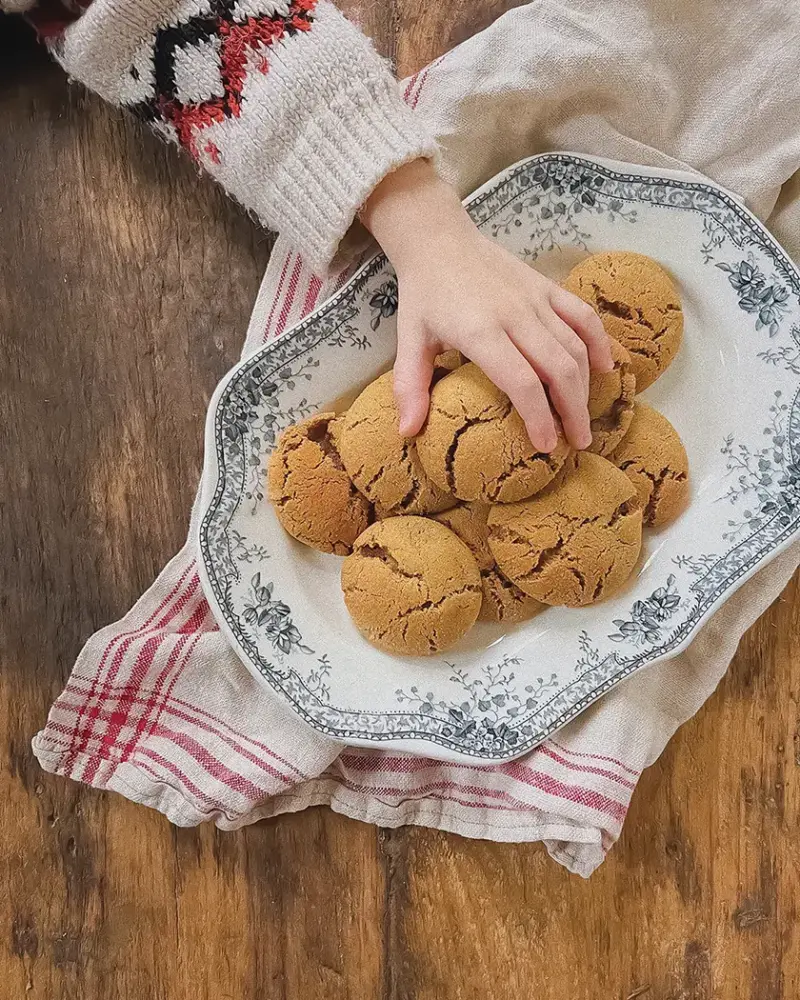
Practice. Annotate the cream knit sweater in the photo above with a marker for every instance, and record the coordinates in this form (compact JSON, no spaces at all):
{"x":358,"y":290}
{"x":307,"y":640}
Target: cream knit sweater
{"x":284,"y":102}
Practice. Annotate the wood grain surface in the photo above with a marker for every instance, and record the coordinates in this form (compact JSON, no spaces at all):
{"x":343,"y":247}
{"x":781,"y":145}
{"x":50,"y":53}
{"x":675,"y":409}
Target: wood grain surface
{"x":126,"y":283}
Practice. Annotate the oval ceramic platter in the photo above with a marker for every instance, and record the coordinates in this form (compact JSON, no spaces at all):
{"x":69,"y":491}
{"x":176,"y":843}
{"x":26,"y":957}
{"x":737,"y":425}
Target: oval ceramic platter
{"x":732,"y":394}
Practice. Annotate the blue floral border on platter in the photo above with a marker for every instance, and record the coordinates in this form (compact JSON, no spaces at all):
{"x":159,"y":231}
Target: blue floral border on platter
{"x":477,"y":727}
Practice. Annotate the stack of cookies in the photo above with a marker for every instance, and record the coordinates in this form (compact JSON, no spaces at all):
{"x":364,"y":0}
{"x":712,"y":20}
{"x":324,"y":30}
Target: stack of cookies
{"x":468,"y":521}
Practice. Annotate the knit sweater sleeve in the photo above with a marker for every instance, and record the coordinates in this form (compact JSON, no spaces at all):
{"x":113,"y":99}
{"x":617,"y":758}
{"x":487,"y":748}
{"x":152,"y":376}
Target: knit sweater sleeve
{"x":284,"y":102}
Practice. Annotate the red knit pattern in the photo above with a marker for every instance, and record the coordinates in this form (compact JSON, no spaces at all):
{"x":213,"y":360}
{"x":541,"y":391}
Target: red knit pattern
{"x":238,"y":41}
{"x":213,"y":151}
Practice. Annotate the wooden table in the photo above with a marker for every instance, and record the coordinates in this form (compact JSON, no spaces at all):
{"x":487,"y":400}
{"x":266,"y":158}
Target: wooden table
{"x":126,"y":283}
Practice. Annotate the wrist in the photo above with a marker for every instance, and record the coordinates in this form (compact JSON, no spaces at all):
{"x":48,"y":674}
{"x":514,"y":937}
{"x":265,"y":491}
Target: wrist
{"x":413,"y":212}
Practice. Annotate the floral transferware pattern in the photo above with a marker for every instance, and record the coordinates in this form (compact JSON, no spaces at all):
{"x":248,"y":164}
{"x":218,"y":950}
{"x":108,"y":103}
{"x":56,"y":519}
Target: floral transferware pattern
{"x":562,"y":203}
{"x":491,"y":702}
{"x":767,"y":300}
{"x":498,"y":702}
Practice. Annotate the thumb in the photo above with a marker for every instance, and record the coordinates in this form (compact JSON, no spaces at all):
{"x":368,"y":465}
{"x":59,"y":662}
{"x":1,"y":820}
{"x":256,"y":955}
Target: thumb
{"x":413,"y":371}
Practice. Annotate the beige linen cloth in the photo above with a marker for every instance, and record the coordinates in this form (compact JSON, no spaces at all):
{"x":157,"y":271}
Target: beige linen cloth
{"x":707,"y":86}
{"x":160,"y":709}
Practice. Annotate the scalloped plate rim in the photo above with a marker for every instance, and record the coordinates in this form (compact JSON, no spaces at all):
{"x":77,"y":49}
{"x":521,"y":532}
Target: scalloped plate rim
{"x":422,"y":743}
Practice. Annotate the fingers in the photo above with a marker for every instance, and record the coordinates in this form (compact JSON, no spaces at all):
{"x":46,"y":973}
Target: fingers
{"x":562,"y":375}
{"x":413,"y":371}
{"x":511,"y":372}
{"x":571,"y":343}
{"x":580,"y":316}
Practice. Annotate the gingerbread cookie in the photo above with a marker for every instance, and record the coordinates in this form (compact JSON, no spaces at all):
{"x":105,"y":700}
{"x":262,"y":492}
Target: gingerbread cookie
{"x":652,"y":456}
{"x":411,"y":586}
{"x":313,"y":497}
{"x":384,"y":466}
{"x":503,"y":601}
{"x":611,"y":402}
{"x":447,"y":362}
{"x":638,"y":304}
{"x":474,"y":443}
{"x":574,"y":543}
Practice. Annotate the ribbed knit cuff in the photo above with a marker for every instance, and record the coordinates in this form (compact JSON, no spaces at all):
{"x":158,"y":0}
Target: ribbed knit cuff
{"x":318,"y":132}
{"x":357,"y":145}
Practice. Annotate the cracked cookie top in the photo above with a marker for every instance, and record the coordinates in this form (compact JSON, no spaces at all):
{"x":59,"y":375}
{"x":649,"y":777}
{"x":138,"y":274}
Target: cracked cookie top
{"x":384,"y":466}
{"x":639,"y":305}
{"x":313,"y":497}
{"x":503,"y":601}
{"x":411,"y":586}
{"x":475,"y":444}
{"x":574,"y":543}
{"x":652,"y":456}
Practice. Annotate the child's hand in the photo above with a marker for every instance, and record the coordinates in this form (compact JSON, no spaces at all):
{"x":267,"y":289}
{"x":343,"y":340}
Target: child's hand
{"x":457,"y":289}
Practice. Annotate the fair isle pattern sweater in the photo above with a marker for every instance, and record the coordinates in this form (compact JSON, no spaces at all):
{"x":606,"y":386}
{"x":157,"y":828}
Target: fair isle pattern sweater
{"x":284,"y":102}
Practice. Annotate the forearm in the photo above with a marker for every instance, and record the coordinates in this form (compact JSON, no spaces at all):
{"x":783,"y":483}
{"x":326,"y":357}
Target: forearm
{"x":413,"y":212}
